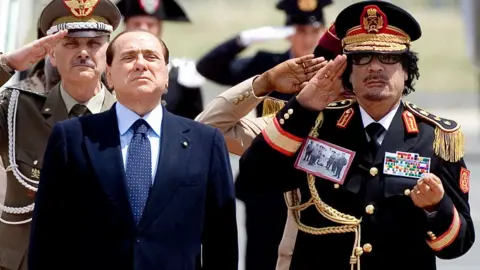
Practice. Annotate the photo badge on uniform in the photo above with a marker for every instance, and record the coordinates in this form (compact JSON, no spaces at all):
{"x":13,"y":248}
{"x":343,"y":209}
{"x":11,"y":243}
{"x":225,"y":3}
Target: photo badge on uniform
{"x":325,"y":160}
{"x":406,"y":164}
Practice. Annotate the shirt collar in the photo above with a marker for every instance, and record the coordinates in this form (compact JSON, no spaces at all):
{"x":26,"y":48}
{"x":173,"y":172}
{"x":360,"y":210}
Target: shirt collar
{"x":94,"y":105}
{"x":127,"y":117}
{"x":385,"y":121}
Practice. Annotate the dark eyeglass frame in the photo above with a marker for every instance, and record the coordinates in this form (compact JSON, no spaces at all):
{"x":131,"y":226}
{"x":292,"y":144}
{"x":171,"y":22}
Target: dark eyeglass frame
{"x":384,"y":58}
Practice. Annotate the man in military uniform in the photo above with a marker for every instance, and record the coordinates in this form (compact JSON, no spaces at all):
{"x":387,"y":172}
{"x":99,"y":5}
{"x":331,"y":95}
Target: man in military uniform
{"x":184,"y":95}
{"x":404,"y":197}
{"x":228,"y":112}
{"x":82,"y":30}
{"x":304,"y":25}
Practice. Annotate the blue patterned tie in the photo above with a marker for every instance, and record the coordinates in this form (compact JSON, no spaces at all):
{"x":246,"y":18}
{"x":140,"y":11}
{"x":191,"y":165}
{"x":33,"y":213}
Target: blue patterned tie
{"x":139,"y":168}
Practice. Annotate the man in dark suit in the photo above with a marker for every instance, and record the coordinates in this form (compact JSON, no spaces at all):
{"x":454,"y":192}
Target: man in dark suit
{"x":145,"y":188}
{"x":304,"y":25}
{"x":184,"y":95}
{"x":404,"y":198}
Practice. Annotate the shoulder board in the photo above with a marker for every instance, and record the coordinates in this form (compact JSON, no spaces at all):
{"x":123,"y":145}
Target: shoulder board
{"x":445,"y":125}
{"x":188,"y":75}
{"x":448,"y":142}
{"x":341,"y":104}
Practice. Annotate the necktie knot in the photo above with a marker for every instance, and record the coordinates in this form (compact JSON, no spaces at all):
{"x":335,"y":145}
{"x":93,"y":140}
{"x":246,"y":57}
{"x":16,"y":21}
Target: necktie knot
{"x":79,"y":110}
{"x":375,"y":130}
{"x":140,"y":127}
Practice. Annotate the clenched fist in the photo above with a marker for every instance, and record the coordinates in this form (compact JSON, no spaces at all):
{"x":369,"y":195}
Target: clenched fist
{"x":428,"y":192}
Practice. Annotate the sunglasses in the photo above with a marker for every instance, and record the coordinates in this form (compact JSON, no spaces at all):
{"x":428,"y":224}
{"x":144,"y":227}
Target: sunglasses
{"x":364,"y":58}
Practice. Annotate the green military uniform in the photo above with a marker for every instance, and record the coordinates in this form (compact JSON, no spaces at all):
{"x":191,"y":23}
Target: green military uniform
{"x":27,"y":118}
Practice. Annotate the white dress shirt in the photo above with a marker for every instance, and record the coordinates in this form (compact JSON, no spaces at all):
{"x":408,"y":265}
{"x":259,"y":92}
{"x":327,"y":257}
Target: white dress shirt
{"x":385,"y":121}
{"x":126,"y":118}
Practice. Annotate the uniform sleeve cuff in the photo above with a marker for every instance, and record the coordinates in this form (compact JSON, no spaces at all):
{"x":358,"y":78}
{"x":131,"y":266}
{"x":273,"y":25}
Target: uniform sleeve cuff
{"x":444,"y":225}
{"x":292,"y":124}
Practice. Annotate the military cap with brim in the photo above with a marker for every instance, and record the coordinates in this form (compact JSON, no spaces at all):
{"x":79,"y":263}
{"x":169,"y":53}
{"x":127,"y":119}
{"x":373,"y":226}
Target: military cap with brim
{"x":82,"y":18}
{"x":164,"y":10}
{"x":376,"y":26}
{"x":304,"y":12}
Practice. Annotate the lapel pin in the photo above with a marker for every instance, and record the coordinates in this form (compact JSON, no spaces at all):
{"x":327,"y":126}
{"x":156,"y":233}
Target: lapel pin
{"x":185,"y":144}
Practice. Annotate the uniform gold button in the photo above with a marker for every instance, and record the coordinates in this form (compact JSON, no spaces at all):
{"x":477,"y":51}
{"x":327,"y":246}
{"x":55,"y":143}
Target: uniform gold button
{"x":282,"y":121}
{"x":407,"y":192}
{"x":290,"y":111}
{"x":35,"y":162}
{"x":367,"y":248}
{"x":286,"y":116}
{"x":246,"y":94}
{"x":235,"y":101}
{"x":373,"y":171}
{"x":336,"y":186}
{"x":240,"y":97}
{"x":369,"y":209}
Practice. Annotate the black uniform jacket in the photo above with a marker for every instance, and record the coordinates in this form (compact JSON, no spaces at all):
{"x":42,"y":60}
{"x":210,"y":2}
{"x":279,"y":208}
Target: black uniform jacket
{"x":395,"y":234}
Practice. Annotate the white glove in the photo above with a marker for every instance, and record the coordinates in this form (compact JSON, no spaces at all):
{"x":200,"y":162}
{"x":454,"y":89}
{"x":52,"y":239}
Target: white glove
{"x":188,"y":75}
{"x":265,"y":33}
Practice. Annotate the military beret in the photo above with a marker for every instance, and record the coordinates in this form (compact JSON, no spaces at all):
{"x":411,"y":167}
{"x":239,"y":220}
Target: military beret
{"x":305,"y":12}
{"x":82,"y":18}
{"x":329,"y":45}
{"x":164,"y":10}
{"x":376,"y":26}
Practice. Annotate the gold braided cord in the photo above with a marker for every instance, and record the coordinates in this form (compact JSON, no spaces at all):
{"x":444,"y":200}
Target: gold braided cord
{"x":387,"y":38}
{"x":375,"y":47}
{"x":349,"y":224}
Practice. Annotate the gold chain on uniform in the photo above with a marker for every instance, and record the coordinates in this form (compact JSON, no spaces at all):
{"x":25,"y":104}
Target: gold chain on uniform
{"x":349,"y":224}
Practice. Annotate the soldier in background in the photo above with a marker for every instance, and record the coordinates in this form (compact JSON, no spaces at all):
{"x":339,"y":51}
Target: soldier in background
{"x":184,"y":95}
{"x":304,"y":25}
{"x":27,"y":117}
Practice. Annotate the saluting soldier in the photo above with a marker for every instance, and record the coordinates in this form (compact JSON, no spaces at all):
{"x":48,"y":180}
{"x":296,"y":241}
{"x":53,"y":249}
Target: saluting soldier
{"x":304,"y":25}
{"x":184,"y":95}
{"x":82,"y":30}
{"x":228,"y":112}
{"x":403,"y":200}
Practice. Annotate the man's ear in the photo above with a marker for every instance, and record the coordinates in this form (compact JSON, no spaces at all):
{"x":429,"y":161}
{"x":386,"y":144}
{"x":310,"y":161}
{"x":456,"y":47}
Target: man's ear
{"x":51,"y":56}
{"x":109,"y":76}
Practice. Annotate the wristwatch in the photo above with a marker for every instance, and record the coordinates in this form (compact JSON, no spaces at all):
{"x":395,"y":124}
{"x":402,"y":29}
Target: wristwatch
{"x":4,"y":65}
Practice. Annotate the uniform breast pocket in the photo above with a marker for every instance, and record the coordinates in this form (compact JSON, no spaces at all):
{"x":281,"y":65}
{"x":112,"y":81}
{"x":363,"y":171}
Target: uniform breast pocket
{"x":28,"y":163}
{"x":398,"y":186}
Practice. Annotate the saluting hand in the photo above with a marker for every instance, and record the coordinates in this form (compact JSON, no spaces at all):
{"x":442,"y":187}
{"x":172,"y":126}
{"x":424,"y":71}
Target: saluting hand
{"x":26,"y":56}
{"x":325,"y":86}
{"x":428,"y":192}
{"x":289,"y":76}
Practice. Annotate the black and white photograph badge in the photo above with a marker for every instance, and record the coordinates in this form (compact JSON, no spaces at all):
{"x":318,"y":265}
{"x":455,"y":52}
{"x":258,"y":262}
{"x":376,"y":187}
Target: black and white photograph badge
{"x":325,"y":160}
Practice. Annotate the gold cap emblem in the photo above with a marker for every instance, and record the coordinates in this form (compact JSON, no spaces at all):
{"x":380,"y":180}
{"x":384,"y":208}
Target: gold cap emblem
{"x":81,"y":8}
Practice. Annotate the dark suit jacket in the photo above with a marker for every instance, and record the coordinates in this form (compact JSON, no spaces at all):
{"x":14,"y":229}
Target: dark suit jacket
{"x":82,"y":218}
{"x":222,"y":66}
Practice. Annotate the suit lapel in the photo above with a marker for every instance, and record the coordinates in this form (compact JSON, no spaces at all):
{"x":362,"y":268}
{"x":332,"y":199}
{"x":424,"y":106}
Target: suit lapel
{"x":104,"y":151}
{"x":396,"y":138}
{"x":173,"y":159}
{"x":54,"y":109}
